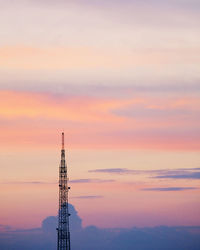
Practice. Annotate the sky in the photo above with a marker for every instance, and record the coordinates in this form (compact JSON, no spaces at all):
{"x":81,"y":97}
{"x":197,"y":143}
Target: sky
{"x":121,"y":79}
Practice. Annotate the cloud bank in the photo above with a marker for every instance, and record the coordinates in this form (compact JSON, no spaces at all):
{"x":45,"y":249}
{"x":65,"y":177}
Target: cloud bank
{"x":93,"y":238}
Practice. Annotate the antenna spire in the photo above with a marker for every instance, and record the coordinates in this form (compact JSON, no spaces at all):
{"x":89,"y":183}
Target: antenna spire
{"x":63,"y":141}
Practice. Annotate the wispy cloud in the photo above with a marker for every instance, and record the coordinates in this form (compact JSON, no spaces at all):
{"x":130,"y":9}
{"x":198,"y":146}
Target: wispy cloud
{"x":87,"y":197}
{"x":101,"y":90}
{"x":90,"y":181}
{"x":113,"y":170}
{"x":28,"y":182}
{"x":166,"y":189}
{"x":187,"y":175}
{"x":37,"y":182}
{"x":181,"y":173}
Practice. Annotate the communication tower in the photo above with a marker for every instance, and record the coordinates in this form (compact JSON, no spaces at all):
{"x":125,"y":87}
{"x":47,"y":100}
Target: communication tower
{"x":63,"y":242}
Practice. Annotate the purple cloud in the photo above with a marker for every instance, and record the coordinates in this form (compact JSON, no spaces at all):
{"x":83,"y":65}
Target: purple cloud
{"x":166,"y":189}
{"x":90,"y":181}
{"x":187,"y":175}
{"x":182,"y":173}
{"x":140,"y":111}
{"x":113,"y":170}
{"x":29,"y":182}
{"x":62,"y":90}
{"x":87,"y":197}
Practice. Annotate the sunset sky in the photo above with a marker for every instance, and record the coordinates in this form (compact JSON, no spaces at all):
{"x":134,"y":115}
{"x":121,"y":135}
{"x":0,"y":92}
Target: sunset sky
{"x":121,"y":79}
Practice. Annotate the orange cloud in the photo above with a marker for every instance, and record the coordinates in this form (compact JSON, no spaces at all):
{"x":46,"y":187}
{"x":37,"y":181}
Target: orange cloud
{"x":36,"y":118}
{"x":29,"y":105}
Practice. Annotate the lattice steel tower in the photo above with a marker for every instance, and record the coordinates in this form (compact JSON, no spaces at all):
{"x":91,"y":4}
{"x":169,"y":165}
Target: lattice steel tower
{"x":63,"y":213}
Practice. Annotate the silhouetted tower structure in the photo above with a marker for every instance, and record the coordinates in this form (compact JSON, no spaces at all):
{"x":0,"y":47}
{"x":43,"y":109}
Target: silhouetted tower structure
{"x":63,"y":213}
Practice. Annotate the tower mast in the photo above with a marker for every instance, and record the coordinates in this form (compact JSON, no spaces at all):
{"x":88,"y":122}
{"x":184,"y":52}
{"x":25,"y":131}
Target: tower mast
{"x":63,"y":242}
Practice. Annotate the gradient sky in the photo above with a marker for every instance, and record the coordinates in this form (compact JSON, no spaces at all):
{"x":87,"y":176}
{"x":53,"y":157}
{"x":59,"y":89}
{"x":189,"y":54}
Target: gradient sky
{"x":121,"y":78}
